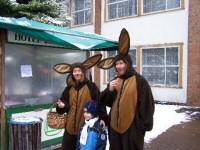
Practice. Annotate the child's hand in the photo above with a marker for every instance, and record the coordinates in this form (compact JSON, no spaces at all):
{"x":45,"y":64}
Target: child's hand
{"x":60,"y":104}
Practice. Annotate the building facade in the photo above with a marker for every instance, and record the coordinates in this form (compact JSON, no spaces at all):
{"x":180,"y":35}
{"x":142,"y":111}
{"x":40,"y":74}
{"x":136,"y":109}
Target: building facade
{"x":165,"y":47}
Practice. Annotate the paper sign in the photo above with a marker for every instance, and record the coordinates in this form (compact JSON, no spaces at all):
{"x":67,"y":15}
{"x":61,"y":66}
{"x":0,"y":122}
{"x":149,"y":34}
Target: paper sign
{"x":26,"y":71}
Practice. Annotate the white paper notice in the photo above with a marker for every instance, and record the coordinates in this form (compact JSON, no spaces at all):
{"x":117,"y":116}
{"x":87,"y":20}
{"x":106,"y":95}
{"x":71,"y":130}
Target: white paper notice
{"x":26,"y":71}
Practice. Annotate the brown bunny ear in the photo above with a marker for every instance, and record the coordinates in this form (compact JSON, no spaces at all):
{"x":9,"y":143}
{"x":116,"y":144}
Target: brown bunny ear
{"x":62,"y":68}
{"x":106,"y":63}
{"x":91,"y":61}
{"x":124,"y":42}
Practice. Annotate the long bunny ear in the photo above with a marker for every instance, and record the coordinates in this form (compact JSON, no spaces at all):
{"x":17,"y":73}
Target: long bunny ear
{"x":91,"y":61}
{"x":62,"y":68}
{"x":124,"y":42}
{"x":106,"y":63}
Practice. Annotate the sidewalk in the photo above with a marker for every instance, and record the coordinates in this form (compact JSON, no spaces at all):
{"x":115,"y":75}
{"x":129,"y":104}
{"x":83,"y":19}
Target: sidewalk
{"x":184,"y":136}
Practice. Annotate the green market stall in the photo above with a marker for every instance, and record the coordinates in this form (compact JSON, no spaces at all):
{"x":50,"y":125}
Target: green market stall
{"x":28,"y":86}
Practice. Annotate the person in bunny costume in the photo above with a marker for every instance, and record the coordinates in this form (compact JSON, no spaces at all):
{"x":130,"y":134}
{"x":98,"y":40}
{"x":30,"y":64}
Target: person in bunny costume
{"x":130,"y":98}
{"x":78,"y":92}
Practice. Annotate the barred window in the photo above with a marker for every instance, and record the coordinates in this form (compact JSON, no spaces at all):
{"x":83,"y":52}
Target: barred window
{"x":81,"y":11}
{"x":160,"y":5}
{"x":111,"y":72}
{"x":121,"y":8}
{"x":160,"y":66}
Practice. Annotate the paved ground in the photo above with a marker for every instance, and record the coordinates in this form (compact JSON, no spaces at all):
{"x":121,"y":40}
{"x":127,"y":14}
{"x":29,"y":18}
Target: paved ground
{"x":184,"y":136}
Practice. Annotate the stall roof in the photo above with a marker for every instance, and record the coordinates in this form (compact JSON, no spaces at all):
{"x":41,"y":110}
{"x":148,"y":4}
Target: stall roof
{"x":63,"y":36}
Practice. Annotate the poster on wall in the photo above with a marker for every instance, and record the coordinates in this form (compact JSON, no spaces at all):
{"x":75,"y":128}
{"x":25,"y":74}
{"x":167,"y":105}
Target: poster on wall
{"x":26,"y":71}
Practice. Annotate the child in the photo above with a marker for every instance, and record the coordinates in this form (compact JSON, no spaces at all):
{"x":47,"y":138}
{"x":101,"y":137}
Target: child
{"x":92,"y":136}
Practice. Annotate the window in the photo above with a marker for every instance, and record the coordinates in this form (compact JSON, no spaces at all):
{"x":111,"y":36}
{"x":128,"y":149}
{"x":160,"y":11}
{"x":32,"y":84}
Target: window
{"x":160,"y":5}
{"x":29,"y":75}
{"x":160,"y":66}
{"x":111,"y":72}
{"x":81,"y":11}
{"x":121,"y":8}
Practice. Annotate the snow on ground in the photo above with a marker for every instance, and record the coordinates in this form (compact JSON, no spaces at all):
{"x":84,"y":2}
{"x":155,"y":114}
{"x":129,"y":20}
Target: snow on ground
{"x":165,"y":116}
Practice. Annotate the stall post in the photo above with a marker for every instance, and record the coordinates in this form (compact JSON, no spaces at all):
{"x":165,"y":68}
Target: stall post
{"x":2,"y":96}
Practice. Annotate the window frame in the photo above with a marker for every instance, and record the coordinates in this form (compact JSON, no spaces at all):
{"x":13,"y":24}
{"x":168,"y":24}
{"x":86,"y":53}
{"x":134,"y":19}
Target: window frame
{"x":72,"y":12}
{"x":140,"y":11}
{"x":118,"y":18}
{"x":179,"y":65}
{"x":160,"y":11}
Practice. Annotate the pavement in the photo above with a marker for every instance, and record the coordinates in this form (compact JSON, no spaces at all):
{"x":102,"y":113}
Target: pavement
{"x":184,"y":136}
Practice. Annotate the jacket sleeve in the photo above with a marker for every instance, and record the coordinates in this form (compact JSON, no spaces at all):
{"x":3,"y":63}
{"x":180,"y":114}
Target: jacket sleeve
{"x":102,"y":140}
{"x":145,"y":105}
{"x":65,"y":98}
{"x":107,"y":97}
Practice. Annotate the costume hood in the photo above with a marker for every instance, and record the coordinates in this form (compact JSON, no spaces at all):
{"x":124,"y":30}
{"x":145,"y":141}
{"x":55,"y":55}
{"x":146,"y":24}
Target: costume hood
{"x":123,"y":49}
{"x":64,"y":68}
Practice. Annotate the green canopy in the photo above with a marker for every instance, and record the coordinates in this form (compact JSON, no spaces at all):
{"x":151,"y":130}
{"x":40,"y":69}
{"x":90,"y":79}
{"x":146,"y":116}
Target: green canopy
{"x":63,"y":36}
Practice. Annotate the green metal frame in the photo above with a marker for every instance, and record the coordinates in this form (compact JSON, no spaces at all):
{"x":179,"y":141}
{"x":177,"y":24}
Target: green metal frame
{"x":20,"y":109}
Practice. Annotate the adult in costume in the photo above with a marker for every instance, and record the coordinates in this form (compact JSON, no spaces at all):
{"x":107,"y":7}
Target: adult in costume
{"x":130,"y":98}
{"x":78,"y":92}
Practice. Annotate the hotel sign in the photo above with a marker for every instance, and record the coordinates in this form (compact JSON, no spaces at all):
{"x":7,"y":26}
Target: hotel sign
{"x":24,"y":39}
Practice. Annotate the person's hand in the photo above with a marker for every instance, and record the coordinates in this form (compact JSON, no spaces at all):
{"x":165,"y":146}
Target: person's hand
{"x":102,"y":124}
{"x":113,"y":84}
{"x":60,"y":104}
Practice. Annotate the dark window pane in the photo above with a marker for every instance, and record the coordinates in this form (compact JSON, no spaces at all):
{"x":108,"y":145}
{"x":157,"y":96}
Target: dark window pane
{"x":112,"y":1}
{"x":118,"y":8}
{"x":112,"y":11}
{"x":82,"y":11}
{"x":111,"y":73}
{"x":132,"y":7}
{"x":172,"y":76}
{"x":172,"y":56}
{"x":78,"y":5}
{"x":88,"y":16}
{"x":123,"y":9}
{"x":153,"y":56}
{"x":133,"y":56}
{"x":154,"y":75}
{"x":112,"y":53}
{"x":88,"y":3}
{"x":79,"y":18}
{"x":173,"y":4}
{"x":153,"y":5}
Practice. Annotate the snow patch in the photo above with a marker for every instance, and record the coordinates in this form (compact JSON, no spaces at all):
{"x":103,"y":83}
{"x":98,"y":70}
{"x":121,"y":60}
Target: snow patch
{"x":165,"y":116}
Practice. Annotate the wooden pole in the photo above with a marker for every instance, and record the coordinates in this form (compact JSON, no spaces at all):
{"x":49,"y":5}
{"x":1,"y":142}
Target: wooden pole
{"x":97,"y":28}
{"x":2,"y":87}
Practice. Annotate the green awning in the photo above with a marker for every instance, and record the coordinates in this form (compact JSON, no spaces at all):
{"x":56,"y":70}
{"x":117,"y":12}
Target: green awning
{"x":62,"y":36}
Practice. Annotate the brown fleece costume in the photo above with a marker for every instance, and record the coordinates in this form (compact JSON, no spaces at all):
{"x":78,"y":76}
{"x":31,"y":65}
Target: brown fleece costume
{"x":132,"y":104}
{"x":75,"y":96}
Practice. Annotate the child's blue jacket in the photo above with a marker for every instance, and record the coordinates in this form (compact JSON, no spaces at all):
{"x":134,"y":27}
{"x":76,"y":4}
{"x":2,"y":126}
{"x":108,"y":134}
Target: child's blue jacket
{"x":96,"y":138}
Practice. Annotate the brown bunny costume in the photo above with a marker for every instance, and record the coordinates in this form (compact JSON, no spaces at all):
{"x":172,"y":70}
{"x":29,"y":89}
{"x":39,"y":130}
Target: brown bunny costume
{"x":75,"y":96}
{"x":132,"y":104}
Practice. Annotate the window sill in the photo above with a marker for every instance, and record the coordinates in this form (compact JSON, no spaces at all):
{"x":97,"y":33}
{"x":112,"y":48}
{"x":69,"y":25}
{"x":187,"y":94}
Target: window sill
{"x":116,"y":19}
{"x":167,"y":87}
{"x":81,"y":25}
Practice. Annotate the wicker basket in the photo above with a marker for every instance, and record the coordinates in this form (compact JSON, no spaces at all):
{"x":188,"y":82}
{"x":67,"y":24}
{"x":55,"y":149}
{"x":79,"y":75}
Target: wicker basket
{"x":55,"y":120}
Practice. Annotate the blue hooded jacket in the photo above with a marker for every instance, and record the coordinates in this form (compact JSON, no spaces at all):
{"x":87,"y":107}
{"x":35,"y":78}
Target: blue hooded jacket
{"x":96,"y":138}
